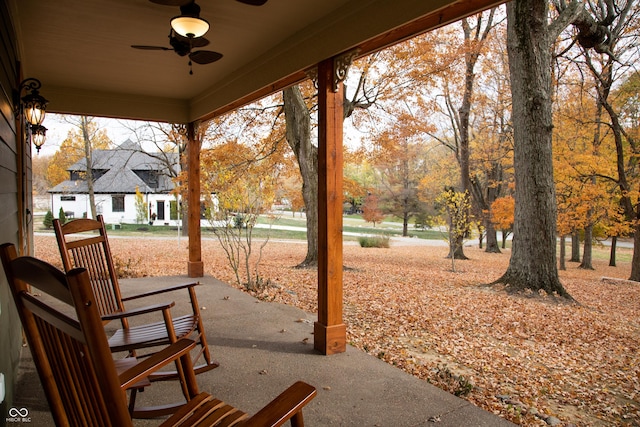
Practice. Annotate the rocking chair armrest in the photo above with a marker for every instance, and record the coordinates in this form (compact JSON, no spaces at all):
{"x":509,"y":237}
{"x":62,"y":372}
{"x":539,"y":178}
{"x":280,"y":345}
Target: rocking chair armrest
{"x":162,"y":291}
{"x":139,"y":311}
{"x":284,"y":407}
{"x":156,"y":361}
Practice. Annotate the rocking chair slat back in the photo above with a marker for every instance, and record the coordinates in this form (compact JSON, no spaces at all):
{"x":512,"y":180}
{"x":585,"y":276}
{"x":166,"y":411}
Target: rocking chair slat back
{"x":92,"y":257}
{"x":92,"y":253}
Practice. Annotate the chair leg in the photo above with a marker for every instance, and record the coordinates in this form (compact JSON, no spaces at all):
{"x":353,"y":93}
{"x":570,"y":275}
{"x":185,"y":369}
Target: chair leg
{"x":203,"y":343}
{"x":188,"y":377}
{"x":201,"y":339}
{"x":181,"y":377}
{"x":297,"y":420}
{"x":132,"y":400}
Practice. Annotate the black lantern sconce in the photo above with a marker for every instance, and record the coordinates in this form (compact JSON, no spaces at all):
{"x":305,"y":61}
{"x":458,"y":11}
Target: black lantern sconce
{"x":33,"y":106}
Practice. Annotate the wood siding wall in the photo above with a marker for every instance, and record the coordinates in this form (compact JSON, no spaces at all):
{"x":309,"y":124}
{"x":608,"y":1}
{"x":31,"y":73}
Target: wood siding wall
{"x":15,"y":198}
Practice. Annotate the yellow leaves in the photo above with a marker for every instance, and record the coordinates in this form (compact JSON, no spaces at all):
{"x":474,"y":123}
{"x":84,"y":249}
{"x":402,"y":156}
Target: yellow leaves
{"x":240,"y":180}
{"x":72,"y":148}
{"x":456,"y":206}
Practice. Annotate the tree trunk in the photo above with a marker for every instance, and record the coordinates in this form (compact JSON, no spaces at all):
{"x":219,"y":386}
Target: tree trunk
{"x":298,"y":123}
{"x":492,"y":237}
{"x":563,"y":252}
{"x":457,"y":247}
{"x":588,"y":246}
{"x":612,"y":253}
{"x":575,"y":247}
{"x":405,"y":224}
{"x":88,"y":151}
{"x":533,"y":258}
{"x":635,"y":260}
{"x":183,"y":206}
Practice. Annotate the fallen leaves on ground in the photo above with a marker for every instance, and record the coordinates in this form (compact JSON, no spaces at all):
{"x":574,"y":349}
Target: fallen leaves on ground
{"x":525,"y":359}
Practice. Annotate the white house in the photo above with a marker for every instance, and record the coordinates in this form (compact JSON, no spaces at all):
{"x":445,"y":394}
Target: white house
{"x":117,"y":174}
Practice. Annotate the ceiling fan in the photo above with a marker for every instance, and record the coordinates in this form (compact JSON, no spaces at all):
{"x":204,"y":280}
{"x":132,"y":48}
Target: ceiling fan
{"x":184,"y":46}
{"x":187,"y":31}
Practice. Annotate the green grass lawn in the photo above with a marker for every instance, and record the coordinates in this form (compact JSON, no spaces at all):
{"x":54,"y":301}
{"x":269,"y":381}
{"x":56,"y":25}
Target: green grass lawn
{"x":351,"y":224}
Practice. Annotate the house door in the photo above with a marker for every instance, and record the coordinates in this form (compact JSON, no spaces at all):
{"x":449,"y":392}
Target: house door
{"x":160,"y":209}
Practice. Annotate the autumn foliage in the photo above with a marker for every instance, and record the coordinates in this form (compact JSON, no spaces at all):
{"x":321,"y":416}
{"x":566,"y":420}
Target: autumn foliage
{"x":371,"y":211}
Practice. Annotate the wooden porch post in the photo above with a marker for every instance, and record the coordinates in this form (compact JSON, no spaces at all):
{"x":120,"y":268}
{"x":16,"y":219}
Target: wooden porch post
{"x":195,"y":266}
{"x":329,"y":330}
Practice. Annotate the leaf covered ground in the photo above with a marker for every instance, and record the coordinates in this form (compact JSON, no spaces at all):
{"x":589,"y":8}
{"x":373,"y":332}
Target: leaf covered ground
{"x":530,"y":359}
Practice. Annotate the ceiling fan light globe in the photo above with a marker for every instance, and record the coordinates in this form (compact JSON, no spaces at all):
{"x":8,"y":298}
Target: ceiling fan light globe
{"x":189,"y":26}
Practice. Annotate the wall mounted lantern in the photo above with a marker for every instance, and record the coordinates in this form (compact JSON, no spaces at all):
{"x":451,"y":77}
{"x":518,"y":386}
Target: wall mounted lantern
{"x":33,"y":106}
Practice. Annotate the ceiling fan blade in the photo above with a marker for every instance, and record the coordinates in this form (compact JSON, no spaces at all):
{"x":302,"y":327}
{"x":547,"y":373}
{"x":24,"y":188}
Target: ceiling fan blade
{"x":195,"y":42}
{"x":251,"y":2}
{"x":204,"y":56}
{"x":145,"y":47}
{"x":171,"y":2}
{"x":199,"y":42}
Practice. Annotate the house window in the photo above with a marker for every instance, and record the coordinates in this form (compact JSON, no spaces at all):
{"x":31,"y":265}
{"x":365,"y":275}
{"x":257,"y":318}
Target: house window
{"x":160,"y":209}
{"x":117,"y":203}
{"x":68,"y":198}
{"x":150,"y":177}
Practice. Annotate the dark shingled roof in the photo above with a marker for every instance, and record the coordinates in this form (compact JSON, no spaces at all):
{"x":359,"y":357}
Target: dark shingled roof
{"x":120,"y":164}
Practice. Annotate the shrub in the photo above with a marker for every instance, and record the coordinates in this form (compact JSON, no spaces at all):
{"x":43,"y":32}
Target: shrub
{"x":374,"y":241}
{"x":62,"y":216}
{"x":48,"y":220}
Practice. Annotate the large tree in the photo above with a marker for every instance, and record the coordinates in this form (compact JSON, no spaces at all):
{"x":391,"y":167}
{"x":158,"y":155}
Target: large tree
{"x":492,"y":144}
{"x":298,"y":133}
{"x":475,"y":35}
{"x":530,"y":37}
{"x":400,"y":160}
{"x":533,"y":258}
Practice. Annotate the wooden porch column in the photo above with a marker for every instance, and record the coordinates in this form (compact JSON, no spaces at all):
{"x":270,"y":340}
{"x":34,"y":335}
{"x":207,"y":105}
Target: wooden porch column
{"x":195,"y":266}
{"x":329,"y":330}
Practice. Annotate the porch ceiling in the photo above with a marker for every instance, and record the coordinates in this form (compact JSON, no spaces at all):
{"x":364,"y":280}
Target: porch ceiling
{"x":81,"y":49}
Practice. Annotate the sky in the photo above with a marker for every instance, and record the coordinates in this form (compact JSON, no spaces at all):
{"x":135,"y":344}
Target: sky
{"x":57,"y":131}
{"x":120,"y":130}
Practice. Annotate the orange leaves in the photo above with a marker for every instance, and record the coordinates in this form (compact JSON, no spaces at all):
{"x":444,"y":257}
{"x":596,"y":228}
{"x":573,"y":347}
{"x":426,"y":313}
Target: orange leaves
{"x":502,"y":212}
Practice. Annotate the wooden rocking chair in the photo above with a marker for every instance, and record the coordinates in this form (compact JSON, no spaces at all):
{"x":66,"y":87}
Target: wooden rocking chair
{"x":83,"y":243}
{"x":78,"y":373}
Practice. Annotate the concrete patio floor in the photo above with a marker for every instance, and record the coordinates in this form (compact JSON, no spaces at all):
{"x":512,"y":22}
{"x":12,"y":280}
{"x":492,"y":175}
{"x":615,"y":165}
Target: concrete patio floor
{"x":264,"y":347}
